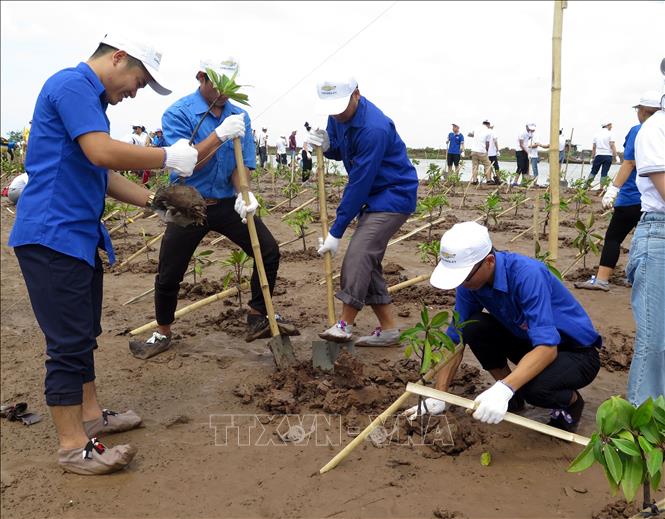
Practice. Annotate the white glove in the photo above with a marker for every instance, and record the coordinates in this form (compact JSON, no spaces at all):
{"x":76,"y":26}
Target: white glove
{"x":610,"y":196}
{"x":319,"y":138}
{"x":498,"y":153}
{"x":433,"y":406}
{"x":493,"y":403}
{"x":330,"y":245}
{"x":233,"y":126}
{"x":242,"y":209}
{"x":181,"y":157}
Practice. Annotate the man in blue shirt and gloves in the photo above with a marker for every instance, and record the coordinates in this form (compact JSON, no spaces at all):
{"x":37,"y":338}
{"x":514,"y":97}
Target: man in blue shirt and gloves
{"x":381,"y":192}
{"x":531,"y":320}
{"x":58,"y":231}
{"x":216,"y":178}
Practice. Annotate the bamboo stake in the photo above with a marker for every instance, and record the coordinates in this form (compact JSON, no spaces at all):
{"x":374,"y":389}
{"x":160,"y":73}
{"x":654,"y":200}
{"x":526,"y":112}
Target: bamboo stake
{"x":194,"y":306}
{"x":327,"y":257}
{"x":520,"y":234}
{"x":288,"y":199}
{"x":408,"y":283}
{"x":9,"y":210}
{"x":301,"y":206}
{"x":380,"y":420}
{"x":142,"y":249}
{"x":289,"y":242}
{"x":217,"y":240}
{"x":536,"y":209}
{"x":256,"y":246}
{"x":449,"y":398}
{"x":461,"y":204}
{"x":555,"y":119}
{"x":110,"y":215}
{"x":577,"y":260}
{"x":416,"y":231}
{"x":506,"y":211}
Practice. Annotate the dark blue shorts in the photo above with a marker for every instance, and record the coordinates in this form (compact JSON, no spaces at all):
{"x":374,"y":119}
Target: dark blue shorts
{"x":66,"y":296}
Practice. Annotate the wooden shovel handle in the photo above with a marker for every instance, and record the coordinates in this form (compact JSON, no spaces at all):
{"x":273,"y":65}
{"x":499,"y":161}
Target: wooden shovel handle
{"x":256,"y":247}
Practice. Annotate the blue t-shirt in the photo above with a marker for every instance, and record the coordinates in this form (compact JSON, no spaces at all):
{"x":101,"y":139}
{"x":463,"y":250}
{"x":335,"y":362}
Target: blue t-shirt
{"x":61,"y":207}
{"x":158,"y":142}
{"x":381,"y":176}
{"x":629,"y":194}
{"x":455,"y":142}
{"x":530,"y":302}
{"x":213,"y":180}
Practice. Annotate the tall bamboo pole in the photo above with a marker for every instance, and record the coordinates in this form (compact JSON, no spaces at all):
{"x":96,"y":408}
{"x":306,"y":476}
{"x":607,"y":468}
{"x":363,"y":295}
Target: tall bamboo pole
{"x":555,"y":119}
{"x":327,"y":257}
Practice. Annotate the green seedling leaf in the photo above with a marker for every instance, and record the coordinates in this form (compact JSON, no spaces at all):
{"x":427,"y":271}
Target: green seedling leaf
{"x":627,"y":447}
{"x":650,"y":432}
{"x":606,"y":418}
{"x":613,"y":463}
{"x":646,"y":446}
{"x":655,"y":480}
{"x":632,"y":478}
{"x":486,"y":459}
{"x":654,"y":462}
{"x":642,"y":414}
{"x":439,"y":319}
{"x":584,"y":459}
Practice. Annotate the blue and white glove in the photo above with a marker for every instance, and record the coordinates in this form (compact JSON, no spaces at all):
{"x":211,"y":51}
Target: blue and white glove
{"x":493,"y":403}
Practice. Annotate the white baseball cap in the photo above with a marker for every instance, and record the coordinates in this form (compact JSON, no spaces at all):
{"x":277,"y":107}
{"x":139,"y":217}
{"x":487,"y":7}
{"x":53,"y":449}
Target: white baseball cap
{"x":650,"y":99}
{"x":531,"y":126}
{"x":464,"y":245}
{"x":146,"y":54}
{"x":334,"y":95}
{"x":226,"y":67}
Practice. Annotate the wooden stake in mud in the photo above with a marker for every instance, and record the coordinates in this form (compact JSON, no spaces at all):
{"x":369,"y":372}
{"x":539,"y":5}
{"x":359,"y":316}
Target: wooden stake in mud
{"x":280,"y":346}
{"x":536,"y":209}
{"x":301,"y":206}
{"x":509,"y":417}
{"x":143,"y":249}
{"x":327,"y":257}
{"x":555,"y":118}
{"x":379,"y":420}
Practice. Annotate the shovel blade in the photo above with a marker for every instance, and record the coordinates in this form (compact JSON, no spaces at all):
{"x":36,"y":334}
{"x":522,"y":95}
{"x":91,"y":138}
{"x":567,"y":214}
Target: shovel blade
{"x":325,"y":353}
{"x":282,"y":351}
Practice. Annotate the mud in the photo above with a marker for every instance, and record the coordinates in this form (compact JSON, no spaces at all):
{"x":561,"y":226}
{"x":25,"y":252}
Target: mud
{"x":617,"y":351}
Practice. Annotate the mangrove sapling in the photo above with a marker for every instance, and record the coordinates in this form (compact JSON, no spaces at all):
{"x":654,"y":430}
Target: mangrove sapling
{"x":299,"y":221}
{"x":110,"y":210}
{"x":491,"y":207}
{"x":580,"y":197}
{"x":429,"y":252}
{"x":200,"y":259}
{"x":547,"y":260}
{"x":586,"y":240}
{"x":628,"y":444}
{"x":563,"y":206}
{"x":452,"y":181}
{"x":256,"y":176}
{"x":291,"y":190}
{"x":263,"y":206}
{"x":238,"y":260}
{"x":130,"y":175}
{"x":517,"y":198}
{"x":146,"y":244}
{"x":125,"y":211}
{"x":429,"y":206}
{"x":434,"y":178}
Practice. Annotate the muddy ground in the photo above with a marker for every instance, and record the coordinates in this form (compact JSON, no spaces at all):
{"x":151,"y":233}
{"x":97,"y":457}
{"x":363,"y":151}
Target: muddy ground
{"x":192,"y":462}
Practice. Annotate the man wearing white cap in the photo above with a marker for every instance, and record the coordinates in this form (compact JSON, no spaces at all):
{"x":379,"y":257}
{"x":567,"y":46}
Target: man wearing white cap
{"x":58,"y":231}
{"x":603,"y":151}
{"x":646,"y":265}
{"x":381,"y":192}
{"x":479,"y":152}
{"x":532,"y":320}
{"x":623,"y":195}
{"x":216,"y":178}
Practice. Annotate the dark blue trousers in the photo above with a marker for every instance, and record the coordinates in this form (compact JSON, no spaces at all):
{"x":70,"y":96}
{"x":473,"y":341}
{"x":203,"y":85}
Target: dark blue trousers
{"x":602,"y":163}
{"x":66,"y":296}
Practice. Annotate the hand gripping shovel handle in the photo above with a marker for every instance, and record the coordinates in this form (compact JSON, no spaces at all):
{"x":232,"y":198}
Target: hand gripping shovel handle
{"x":256,"y":247}
{"x":327,"y":257}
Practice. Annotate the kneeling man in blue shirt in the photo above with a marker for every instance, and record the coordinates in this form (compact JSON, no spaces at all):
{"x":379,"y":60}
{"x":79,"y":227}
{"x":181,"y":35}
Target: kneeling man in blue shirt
{"x":381,"y":192}
{"x":531,"y":320}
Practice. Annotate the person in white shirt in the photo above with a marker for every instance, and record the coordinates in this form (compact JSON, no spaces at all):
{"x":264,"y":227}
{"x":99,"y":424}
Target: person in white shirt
{"x":16,"y":187}
{"x":522,"y":153}
{"x":479,"y":149}
{"x":263,"y":146}
{"x":493,"y":154}
{"x":646,"y":264}
{"x":533,"y":151}
{"x":562,"y":147}
{"x":604,"y":152}
{"x":281,"y":150}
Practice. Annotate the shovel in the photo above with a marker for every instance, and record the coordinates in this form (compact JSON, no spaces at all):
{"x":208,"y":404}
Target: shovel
{"x":324,"y":353}
{"x":279,"y":345}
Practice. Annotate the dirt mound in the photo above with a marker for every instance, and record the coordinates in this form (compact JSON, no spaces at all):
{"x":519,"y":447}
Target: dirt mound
{"x":504,"y":225}
{"x":299,"y":255}
{"x":451,"y":433}
{"x":617,"y":510}
{"x":392,"y":268}
{"x":425,"y":294}
{"x":202,"y":288}
{"x":617,"y":351}
{"x":442,"y":513}
{"x":231,"y":321}
{"x":138,"y":267}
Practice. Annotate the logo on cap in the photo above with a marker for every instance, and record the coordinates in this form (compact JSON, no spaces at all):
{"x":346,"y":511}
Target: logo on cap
{"x":328,"y":88}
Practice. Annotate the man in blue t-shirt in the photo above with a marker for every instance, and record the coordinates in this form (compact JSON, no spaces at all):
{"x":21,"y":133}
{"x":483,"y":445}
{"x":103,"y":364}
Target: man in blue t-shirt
{"x":216,"y":178}
{"x":625,"y":197}
{"x":455,"y":144}
{"x":381,"y":192}
{"x":58,"y":232}
{"x":531,"y":319}
{"x":158,"y":141}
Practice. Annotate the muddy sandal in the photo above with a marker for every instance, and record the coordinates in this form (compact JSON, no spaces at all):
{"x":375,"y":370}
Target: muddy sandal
{"x":95,"y":459}
{"x":111,"y":422}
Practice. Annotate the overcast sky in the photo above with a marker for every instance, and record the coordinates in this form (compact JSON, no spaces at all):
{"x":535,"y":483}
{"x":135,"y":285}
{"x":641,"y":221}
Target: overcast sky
{"x":425,"y":64}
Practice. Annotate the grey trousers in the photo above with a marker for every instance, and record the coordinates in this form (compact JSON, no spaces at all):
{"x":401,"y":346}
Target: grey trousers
{"x":362,"y":280}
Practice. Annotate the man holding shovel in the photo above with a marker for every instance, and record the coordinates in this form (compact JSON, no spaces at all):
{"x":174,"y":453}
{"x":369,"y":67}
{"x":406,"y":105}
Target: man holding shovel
{"x":381,"y":192}
{"x":216,"y":178}
{"x":58,"y":232}
{"x":532,"y":320}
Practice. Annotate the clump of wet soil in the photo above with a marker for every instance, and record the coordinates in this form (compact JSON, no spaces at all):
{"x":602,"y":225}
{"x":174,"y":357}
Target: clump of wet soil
{"x":617,"y":351}
{"x":299,"y":255}
{"x":425,"y":294}
{"x":618,"y":510}
{"x":232,"y":321}
{"x":203,"y":288}
{"x":138,"y":267}
{"x":617,"y":278}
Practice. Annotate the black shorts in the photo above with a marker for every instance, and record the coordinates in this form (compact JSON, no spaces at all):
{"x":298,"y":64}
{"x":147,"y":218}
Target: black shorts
{"x":453,"y":159}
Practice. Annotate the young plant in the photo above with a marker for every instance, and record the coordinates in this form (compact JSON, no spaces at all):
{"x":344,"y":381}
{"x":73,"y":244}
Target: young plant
{"x":291,"y":190}
{"x":299,"y":221}
{"x":126,"y":212}
{"x":516,"y":199}
{"x":563,"y":206}
{"x":263,"y":206}
{"x":587,"y":240}
{"x":426,"y":340}
{"x":256,"y":177}
{"x":110,"y":207}
{"x":453,"y":181}
{"x":429,"y":252}
{"x":628,"y":444}
{"x":146,"y":239}
{"x":430,"y":205}
{"x":200,"y":259}
{"x":491,"y":207}
{"x":130,"y":175}
{"x":434,"y":178}
{"x":238,"y":260}
{"x":581,"y":196}
{"x":549,"y":262}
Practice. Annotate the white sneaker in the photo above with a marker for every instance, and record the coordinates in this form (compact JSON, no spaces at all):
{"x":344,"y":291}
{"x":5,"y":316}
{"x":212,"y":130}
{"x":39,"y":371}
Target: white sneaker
{"x":340,"y":332}
{"x":380,"y":338}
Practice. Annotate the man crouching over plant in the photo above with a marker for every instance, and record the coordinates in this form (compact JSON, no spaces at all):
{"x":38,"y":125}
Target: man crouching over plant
{"x":531,"y":319}
{"x":212,"y":121}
